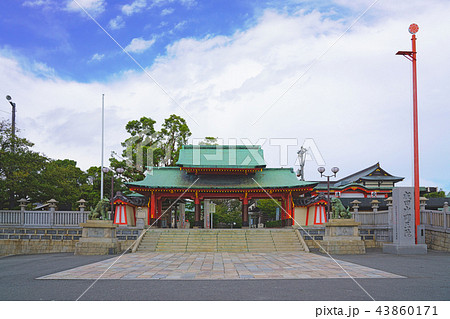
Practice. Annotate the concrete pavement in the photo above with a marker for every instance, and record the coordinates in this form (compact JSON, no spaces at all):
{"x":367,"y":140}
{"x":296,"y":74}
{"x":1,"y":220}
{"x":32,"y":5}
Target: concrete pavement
{"x":425,"y":278}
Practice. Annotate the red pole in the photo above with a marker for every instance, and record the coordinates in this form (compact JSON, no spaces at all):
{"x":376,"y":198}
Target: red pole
{"x":416,"y":136}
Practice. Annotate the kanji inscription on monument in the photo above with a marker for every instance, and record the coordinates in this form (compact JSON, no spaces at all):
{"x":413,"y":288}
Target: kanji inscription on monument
{"x":403,"y":226}
{"x":404,"y":223}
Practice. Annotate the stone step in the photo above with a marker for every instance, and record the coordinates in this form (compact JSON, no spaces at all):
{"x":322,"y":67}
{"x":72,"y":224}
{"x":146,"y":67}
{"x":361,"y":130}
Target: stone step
{"x":236,"y":240}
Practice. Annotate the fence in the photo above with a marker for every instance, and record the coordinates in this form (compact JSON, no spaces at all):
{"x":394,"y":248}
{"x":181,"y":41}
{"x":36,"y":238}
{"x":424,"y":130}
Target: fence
{"x":436,"y":219}
{"x":374,"y":218}
{"x":42,"y":218}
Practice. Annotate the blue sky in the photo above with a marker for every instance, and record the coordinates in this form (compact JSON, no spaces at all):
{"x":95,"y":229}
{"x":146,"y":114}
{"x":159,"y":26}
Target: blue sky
{"x":60,"y":35}
{"x":264,"y":72}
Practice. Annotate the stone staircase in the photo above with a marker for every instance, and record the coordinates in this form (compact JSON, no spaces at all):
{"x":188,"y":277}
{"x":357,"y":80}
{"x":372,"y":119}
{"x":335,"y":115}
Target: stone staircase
{"x":222,"y":240}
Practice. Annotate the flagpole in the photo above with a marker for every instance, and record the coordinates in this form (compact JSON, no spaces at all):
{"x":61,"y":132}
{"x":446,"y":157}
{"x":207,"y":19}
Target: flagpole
{"x":103,"y":146}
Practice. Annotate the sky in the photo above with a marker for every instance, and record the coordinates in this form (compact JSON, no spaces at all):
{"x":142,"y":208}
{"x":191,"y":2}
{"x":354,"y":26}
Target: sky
{"x":275,"y":73}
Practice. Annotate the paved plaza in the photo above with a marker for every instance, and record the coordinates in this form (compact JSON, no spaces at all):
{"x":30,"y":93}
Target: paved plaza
{"x":407,"y":277}
{"x":220,"y":266}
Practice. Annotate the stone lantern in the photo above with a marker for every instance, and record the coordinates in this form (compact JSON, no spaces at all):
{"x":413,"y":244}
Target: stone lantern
{"x":22,"y":203}
{"x":355,"y":205}
{"x":52,"y":203}
{"x":375,"y":205}
{"x":423,"y":202}
{"x":81,"y":204}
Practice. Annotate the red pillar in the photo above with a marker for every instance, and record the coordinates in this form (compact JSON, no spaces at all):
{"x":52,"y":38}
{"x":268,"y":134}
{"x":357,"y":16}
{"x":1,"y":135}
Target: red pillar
{"x":245,"y":213}
{"x":159,"y":210}
{"x":292,"y":209}
{"x":152,"y":216}
{"x":412,"y":56}
{"x":197,"y":222}
{"x":416,"y":136}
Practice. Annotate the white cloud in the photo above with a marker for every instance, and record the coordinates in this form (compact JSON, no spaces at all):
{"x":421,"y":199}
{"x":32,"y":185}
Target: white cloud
{"x":139,"y":45}
{"x":167,"y":11}
{"x":97,"y":57}
{"x":117,"y":23}
{"x":38,"y":3}
{"x":94,"y":7}
{"x":188,"y":3}
{"x":354,"y":101}
{"x":180,"y":25}
{"x":135,"y":7}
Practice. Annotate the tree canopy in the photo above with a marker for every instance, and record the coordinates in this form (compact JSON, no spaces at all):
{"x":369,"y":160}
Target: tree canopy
{"x":27,"y":174}
{"x":147,"y":147}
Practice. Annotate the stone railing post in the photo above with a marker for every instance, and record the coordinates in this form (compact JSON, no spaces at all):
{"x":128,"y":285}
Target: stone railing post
{"x":445,"y":212}
{"x":423,"y":203}
{"x":355,"y":206}
{"x":390,"y":211}
{"x":374,"y":203}
{"x":52,"y":204}
{"x":22,"y":203}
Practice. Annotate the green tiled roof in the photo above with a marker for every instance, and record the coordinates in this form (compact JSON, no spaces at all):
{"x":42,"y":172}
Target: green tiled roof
{"x":174,"y":177}
{"x":221,"y":156}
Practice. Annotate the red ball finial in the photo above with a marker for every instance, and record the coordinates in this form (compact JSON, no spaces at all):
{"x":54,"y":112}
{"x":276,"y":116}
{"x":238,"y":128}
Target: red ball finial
{"x":413,"y":28}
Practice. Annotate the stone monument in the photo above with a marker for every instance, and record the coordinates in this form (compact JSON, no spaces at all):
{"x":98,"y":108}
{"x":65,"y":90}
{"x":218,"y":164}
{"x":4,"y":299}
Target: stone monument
{"x":98,"y":238}
{"x":140,"y":218}
{"x":403,"y":224}
{"x":342,"y":237}
{"x":99,"y":234}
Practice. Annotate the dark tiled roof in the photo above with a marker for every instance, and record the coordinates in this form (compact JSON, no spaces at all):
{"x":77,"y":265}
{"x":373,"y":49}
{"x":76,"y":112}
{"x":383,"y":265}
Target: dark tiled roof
{"x":365,"y":203}
{"x":436,"y":203}
{"x":371,"y":173}
{"x":133,"y":199}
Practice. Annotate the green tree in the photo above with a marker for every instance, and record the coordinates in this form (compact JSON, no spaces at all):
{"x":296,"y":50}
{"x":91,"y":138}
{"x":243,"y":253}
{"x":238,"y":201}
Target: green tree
{"x":63,"y":181}
{"x":147,"y":147}
{"x":209,"y":141}
{"x":228,"y":211}
{"x":439,"y":194}
{"x":174,"y":134}
{"x":91,"y":190}
{"x":19,"y":167}
{"x":141,"y":149}
{"x":268,"y":208}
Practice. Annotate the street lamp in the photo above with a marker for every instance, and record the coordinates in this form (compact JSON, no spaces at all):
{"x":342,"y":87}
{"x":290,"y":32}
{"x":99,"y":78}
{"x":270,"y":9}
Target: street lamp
{"x":411,"y":55}
{"x":13,"y":142}
{"x":119,"y":170}
{"x":334,"y":170}
{"x":13,"y":127}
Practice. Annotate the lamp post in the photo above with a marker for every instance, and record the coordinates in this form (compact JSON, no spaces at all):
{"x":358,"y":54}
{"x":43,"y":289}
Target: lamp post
{"x":119,"y":170}
{"x":13,"y":121}
{"x":334,"y":170}
{"x":411,"y":55}
{"x":13,"y":143}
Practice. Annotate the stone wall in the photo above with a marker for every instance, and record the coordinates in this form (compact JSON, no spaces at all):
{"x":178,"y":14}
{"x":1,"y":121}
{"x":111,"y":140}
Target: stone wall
{"x":315,"y":234}
{"x":437,"y":240}
{"x":37,"y":240}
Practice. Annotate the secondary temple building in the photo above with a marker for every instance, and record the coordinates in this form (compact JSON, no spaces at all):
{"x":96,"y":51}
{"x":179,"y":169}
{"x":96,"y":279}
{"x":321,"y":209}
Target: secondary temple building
{"x":206,"y":172}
